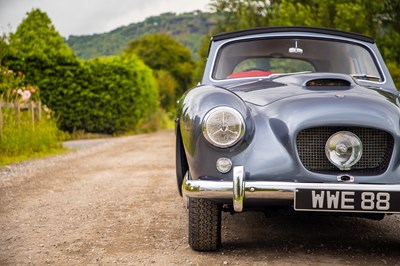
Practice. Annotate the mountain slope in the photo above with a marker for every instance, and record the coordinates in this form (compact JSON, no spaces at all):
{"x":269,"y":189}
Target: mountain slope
{"x":188,"y":28}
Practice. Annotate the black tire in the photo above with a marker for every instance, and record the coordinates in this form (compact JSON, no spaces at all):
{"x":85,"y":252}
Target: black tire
{"x":204,"y":225}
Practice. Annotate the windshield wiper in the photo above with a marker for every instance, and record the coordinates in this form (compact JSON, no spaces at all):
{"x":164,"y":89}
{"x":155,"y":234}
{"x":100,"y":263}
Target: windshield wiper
{"x":366,"y":77}
{"x":277,"y":75}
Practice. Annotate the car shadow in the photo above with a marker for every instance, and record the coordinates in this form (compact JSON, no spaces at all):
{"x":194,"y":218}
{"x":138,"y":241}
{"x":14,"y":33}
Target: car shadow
{"x":253,"y":232}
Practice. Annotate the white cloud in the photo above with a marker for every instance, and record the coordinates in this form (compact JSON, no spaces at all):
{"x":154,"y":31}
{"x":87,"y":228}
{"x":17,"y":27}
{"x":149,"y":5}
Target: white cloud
{"x":79,"y":17}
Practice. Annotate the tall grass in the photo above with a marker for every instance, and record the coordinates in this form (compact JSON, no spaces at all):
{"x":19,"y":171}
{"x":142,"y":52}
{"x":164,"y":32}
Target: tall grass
{"x":22,"y":140}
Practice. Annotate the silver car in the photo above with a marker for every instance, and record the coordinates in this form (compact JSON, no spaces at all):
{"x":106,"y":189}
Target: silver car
{"x":288,"y":118}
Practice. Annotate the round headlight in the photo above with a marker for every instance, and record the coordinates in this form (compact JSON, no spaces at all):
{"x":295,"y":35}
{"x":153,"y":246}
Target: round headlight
{"x":344,"y":149}
{"x":223,"y":127}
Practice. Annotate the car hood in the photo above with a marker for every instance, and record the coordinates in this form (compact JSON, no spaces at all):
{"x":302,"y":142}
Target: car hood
{"x":264,"y":92}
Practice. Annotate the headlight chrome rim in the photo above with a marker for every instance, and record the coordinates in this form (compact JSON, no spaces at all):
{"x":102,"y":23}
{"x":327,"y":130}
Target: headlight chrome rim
{"x":344,"y":149}
{"x":224,"y":128}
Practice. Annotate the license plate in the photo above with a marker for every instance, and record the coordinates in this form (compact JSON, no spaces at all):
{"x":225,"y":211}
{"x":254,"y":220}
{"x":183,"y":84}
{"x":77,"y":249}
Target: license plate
{"x":347,"y":201}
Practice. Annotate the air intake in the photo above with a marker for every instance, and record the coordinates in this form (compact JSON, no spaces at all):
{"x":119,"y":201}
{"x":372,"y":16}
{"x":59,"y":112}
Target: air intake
{"x":328,"y":83}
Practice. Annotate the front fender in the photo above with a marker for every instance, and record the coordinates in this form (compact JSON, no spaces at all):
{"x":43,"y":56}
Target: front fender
{"x":192,"y":109}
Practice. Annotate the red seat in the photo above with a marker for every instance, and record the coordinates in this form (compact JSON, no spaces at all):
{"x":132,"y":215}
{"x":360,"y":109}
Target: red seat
{"x":252,"y":73}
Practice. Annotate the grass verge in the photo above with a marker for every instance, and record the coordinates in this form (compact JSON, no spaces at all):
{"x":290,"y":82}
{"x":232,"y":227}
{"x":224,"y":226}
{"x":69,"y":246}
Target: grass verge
{"x":22,"y":140}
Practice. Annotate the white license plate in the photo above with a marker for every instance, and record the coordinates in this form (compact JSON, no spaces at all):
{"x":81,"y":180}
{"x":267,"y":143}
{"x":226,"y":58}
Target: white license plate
{"x":347,"y":201}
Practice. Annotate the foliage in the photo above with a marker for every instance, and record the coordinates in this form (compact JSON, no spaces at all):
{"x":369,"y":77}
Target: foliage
{"x":13,"y":87}
{"x":167,"y":87}
{"x":104,"y":95}
{"x":394,"y":69}
{"x":107,"y":95}
{"x":36,"y":47}
{"x":202,"y":55}
{"x":19,"y":137}
{"x":4,"y":47}
{"x":241,"y":14}
{"x":122,"y":95}
{"x":162,"y":52}
{"x":24,"y":138}
{"x":186,"y":28}
{"x":376,"y":18}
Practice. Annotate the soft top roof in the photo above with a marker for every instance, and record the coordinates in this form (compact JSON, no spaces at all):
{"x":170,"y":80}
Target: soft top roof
{"x":234,"y":34}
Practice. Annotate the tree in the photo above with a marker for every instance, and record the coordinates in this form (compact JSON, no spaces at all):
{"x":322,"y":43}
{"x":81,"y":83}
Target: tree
{"x":201,"y":62}
{"x":376,"y":18}
{"x":242,"y":14}
{"x":38,"y":50}
{"x":36,"y":47}
{"x":108,"y":95}
{"x":162,"y":52}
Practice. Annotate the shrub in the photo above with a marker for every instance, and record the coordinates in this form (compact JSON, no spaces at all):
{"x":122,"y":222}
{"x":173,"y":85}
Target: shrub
{"x":121,"y":95}
{"x":108,"y":95}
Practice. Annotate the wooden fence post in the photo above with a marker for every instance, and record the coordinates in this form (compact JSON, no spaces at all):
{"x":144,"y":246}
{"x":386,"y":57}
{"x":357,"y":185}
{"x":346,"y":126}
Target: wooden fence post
{"x":17,"y":111}
{"x":38,"y":110}
{"x":34,"y":108}
{"x":31,"y":107}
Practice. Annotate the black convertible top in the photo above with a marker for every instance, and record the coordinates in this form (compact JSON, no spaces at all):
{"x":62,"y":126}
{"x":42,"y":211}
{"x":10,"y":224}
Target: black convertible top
{"x":234,"y":34}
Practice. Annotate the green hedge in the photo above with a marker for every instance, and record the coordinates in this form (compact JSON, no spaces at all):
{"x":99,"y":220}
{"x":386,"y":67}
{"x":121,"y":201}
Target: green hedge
{"x":107,"y":95}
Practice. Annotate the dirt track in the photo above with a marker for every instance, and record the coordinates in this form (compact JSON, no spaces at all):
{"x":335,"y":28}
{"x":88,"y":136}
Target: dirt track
{"x":117,"y":203}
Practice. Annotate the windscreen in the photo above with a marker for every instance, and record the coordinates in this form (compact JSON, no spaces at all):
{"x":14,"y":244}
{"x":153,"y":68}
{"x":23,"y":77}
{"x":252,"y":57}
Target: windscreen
{"x":264,"y":57}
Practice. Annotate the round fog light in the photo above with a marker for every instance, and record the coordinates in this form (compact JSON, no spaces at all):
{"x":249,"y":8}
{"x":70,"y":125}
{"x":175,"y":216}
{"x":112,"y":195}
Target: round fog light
{"x":224,"y":165}
{"x":343,"y":149}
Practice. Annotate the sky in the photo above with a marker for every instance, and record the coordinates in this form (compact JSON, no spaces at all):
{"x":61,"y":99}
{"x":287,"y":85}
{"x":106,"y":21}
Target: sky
{"x":86,"y":17}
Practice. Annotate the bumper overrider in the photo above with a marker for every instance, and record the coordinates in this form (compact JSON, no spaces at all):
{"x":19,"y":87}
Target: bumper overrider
{"x":239,"y":189}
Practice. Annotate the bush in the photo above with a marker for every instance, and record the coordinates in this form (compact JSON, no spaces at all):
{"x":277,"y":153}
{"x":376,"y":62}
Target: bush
{"x":162,"y":52}
{"x":108,"y":95}
{"x":122,"y":94}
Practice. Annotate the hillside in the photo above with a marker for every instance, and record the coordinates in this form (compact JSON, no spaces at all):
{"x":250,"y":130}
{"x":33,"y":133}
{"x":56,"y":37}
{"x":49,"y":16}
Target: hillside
{"x":188,"y":28}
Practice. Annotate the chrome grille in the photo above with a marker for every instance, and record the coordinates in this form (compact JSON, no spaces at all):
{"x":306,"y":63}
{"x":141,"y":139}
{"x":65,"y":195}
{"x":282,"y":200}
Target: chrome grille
{"x":377,"y":149}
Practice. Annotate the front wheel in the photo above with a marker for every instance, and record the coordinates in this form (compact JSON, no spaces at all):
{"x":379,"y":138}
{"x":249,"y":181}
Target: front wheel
{"x":204,"y":225}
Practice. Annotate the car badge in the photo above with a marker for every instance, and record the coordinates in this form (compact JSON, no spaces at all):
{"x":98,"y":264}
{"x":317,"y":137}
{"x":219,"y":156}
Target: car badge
{"x":339,"y":95}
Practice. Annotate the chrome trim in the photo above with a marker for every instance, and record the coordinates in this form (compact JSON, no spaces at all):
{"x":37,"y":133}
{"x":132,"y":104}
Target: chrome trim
{"x":265,"y":189}
{"x":227,"y":109}
{"x":342,"y":178}
{"x":238,"y":188}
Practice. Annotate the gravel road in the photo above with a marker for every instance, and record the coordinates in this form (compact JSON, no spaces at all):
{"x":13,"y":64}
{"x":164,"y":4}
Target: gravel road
{"x":115,"y":202}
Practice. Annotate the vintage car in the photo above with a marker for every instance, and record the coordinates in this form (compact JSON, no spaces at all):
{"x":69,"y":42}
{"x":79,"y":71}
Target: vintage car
{"x":288,"y":118}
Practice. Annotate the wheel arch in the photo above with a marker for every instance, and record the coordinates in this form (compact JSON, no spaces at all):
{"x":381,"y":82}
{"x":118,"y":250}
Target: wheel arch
{"x":181,"y":162}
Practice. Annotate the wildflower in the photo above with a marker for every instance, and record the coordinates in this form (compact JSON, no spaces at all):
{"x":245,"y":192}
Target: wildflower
{"x":31,"y":89}
{"x":20,"y":91}
{"x":26,"y":95}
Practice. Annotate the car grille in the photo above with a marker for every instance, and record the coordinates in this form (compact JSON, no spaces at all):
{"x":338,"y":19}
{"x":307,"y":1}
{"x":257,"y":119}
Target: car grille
{"x":377,"y":149}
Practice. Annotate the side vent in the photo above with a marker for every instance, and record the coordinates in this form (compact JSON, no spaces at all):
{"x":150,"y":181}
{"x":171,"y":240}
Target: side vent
{"x":328,"y":83}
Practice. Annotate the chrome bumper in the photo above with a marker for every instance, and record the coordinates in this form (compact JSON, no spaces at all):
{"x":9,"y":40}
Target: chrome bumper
{"x":238,"y":189}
